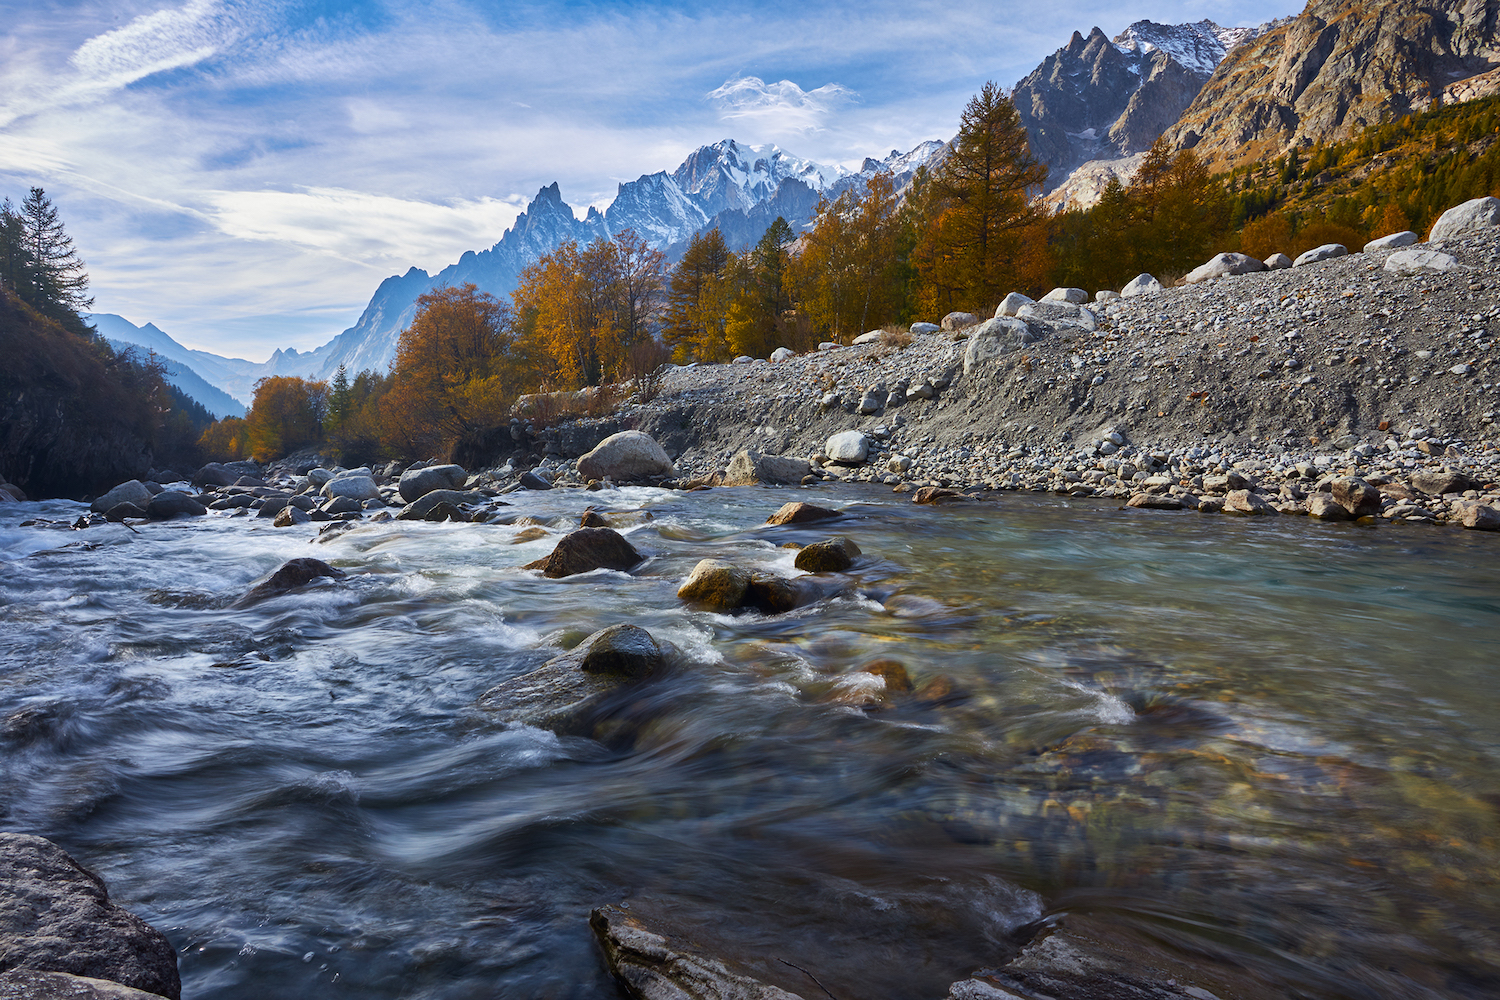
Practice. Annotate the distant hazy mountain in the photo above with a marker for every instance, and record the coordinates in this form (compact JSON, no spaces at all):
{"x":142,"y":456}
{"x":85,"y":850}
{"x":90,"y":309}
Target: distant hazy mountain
{"x":180,"y":362}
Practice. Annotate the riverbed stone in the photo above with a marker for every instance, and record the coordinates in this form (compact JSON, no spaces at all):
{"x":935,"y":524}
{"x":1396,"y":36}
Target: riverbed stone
{"x":626,"y":457}
{"x":798,"y":512}
{"x":417,"y":483}
{"x":831,"y":556}
{"x":292,"y":575}
{"x":419,"y":508}
{"x":1012,"y":303}
{"x":1154,"y":501}
{"x":1224,"y":264}
{"x":1328,"y":251}
{"x":1416,"y":259}
{"x":782,"y":354}
{"x":1356,"y":496}
{"x":776,"y":595}
{"x":570,"y":693}
{"x":1436,"y":482}
{"x":56,"y":916}
{"x":585,"y":550}
{"x":654,"y":967}
{"x":120,"y":511}
{"x":1394,"y":241}
{"x":873,"y":400}
{"x":847,"y":447}
{"x":290,"y":516}
{"x":1059,"y":314}
{"x":132,"y":491}
{"x":1141,"y":284}
{"x":1277,"y":262}
{"x":1245,"y":502}
{"x":1480,"y":517}
{"x":531,"y":481}
{"x":715,"y":584}
{"x":1470,"y":217}
{"x":26,"y":984}
{"x":994,"y":338}
{"x":1076,"y":296}
{"x":215,"y":474}
{"x":749,"y":467}
{"x":169,"y":504}
{"x":1325,"y":508}
{"x":958,"y":321}
{"x":935,"y":494}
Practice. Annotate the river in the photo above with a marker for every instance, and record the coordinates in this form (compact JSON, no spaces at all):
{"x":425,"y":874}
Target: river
{"x":1274,"y":741}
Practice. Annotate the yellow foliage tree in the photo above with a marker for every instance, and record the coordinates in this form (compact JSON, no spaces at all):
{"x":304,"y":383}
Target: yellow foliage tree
{"x":286,"y":414}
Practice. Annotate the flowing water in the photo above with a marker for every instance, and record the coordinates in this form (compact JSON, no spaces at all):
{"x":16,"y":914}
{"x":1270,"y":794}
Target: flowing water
{"x":1272,"y":742}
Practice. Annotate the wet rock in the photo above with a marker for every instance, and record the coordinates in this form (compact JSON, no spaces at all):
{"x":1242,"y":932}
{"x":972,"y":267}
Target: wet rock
{"x":935,"y":494}
{"x":1328,"y":251}
{"x":1224,"y":264}
{"x":15,"y":492}
{"x":342,"y":505}
{"x":55,"y":916}
{"x":585,"y":550}
{"x":291,"y":576}
{"x":1356,"y":496}
{"x":355,"y":486}
{"x":532,"y":481}
{"x":444,"y":511}
{"x":133,"y":491}
{"x":1244,"y":502}
{"x":1154,"y":501}
{"x":653,"y":967}
{"x":1436,"y":482}
{"x":271,"y":506}
{"x":1325,"y":508}
{"x":24,"y":984}
{"x":120,"y":511}
{"x":419,"y":508}
{"x":832,"y":556}
{"x":750,"y":467}
{"x":715,"y":584}
{"x":848,"y":447}
{"x":214,"y":474}
{"x":417,"y":483}
{"x":798,"y":512}
{"x":570,"y":693}
{"x":1480,"y":517}
{"x":1462,"y":220}
{"x":1141,"y":284}
{"x":626,"y":457}
{"x":234,"y":502}
{"x":1392,"y":242}
{"x":529,"y":535}
{"x":290,"y":516}
{"x":774,"y":595}
{"x":893,"y":672}
{"x":173,"y":503}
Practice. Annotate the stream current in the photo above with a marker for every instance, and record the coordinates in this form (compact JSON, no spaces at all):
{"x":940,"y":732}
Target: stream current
{"x":1273,"y":742}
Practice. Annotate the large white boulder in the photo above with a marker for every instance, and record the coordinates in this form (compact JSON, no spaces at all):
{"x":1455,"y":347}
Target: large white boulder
{"x":1278,"y":262}
{"x":1470,"y":217}
{"x":626,"y":457}
{"x":995,"y":337}
{"x":357,"y":487}
{"x":923,"y":328}
{"x":1392,"y":242}
{"x":1012,"y":303}
{"x":873,"y":337}
{"x":1406,"y":261}
{"x":417,"y":483}
{"x":1141,"y":284}
{"x":132,"y":491}
{"x":959,"y":321}
{"x":849,"y":447}
{"x":1060,"y":314}
{"x":782,"y":354}
{"x":1223,"y":264}
{"x":1077,"y":296}
{"x":1328,"y":251}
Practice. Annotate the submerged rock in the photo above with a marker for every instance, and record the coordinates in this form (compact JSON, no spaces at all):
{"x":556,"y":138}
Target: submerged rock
{"x":653,"y":967}
{"x":569,"y":694}
{"x":292,"y":575}
{"x":55,"y":916}
{"x":585,"y":550}
{"x":832,"y":556}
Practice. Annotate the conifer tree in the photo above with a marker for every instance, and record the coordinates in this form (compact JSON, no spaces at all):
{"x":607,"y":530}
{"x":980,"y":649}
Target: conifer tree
{"x":58,"y":281}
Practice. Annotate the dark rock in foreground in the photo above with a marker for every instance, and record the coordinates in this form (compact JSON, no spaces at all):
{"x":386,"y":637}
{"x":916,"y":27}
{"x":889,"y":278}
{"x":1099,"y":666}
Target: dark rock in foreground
{"x":651,"y":967}
{"x":832,"y":556}
{"x":55,"y":916}
{"x":25,"y":984}
{"x":293,"y":574}
{"x":585,"y":550}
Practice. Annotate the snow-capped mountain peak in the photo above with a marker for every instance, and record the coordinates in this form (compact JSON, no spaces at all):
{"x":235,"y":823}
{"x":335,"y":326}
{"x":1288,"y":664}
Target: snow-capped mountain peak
{"x":1198,"y":47}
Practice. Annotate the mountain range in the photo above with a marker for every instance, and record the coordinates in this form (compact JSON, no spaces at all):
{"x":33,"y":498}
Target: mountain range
{"x":1091,"y":109}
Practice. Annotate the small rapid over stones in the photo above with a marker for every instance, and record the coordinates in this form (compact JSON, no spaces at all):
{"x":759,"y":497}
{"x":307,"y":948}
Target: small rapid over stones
{"x":980,"y":743}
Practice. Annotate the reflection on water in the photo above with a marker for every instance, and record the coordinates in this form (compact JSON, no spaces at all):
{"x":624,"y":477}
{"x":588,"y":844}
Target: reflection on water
{"x":1271,"y":742}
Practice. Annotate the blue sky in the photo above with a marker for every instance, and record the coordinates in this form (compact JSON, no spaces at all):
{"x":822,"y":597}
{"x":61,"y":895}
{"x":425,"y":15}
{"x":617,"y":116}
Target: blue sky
{"x":243,"y":173}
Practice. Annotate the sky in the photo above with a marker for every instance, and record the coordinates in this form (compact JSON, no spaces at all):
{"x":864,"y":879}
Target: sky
{"x":244,"y":173}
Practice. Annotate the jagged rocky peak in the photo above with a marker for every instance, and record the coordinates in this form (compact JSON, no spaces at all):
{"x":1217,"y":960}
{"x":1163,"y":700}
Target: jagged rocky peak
{"x":728,"y":174}
{"x":1338,"y":66}
{"x":1198,"y":47}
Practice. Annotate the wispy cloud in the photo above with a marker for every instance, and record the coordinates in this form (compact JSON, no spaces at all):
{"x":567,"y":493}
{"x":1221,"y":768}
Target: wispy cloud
{"x":781,"y":104}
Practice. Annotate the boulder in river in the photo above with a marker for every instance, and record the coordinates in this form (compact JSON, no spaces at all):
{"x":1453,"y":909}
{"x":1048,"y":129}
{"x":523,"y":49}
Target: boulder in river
{"x":1480,"y":517}
{"x":290,"y":517}
{"x":417,"y":483}
{"x":798,"y":512}
{"x":750,"y":467}
{"x":292,"y":575}
{"x":653,"y":967}
{"x":831,"y":556}
{"x":585,"y":550}
{"x":131,"y":491}
{"x":360,"y":487}
{"x":1246,"y":502}
{"x":626,"y":457}
{"x":935,"y":494}
{"x":1154,"y":501}
{"x":715,"y":584}
{"x":120,"y":511}
{"x":1356,"y":496}
{"x":570,"y":693}
{"x":214,"y":474}
{"x":173,"y":503}
{"x":55,"y":916}
{"x":532,"y":481}
{"x":419,"y":508}
{"x":1325,"y":508}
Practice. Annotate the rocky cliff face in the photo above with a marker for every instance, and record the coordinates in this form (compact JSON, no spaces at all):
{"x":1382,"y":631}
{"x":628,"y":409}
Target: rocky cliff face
{"x":1337,"y":67}
{"x":1096,"y":100}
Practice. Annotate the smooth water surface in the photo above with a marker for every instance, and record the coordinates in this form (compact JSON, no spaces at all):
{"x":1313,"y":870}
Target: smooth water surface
{"x":1272,"y":741}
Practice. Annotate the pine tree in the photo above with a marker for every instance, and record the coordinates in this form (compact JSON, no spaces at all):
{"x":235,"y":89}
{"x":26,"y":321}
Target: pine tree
{"x":58,"y":282}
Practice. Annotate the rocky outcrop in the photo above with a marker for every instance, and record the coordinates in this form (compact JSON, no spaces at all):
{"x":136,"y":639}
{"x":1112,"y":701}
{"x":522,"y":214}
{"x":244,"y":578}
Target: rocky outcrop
{"x":651,"y":966}
{"x":1337,"y":67}
{"x":24,"y":984}
{"x":55,"y":916}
